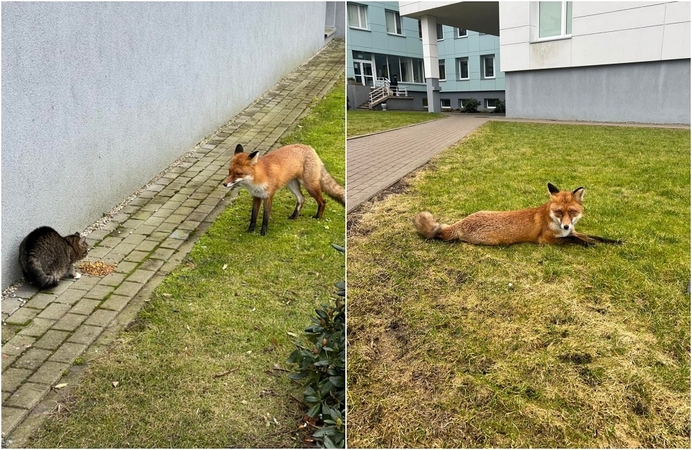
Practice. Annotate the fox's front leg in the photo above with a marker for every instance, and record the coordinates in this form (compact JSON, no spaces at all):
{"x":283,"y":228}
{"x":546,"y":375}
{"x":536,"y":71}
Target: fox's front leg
{"x":256,"y":201}
{"x":266,"y":214}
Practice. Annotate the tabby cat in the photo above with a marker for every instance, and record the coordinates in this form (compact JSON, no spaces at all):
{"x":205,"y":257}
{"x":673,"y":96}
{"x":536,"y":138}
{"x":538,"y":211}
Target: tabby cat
{"x":46,"y":257}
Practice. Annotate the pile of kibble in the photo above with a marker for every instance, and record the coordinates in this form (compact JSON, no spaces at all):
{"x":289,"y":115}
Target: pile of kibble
{"x":98,"y":268}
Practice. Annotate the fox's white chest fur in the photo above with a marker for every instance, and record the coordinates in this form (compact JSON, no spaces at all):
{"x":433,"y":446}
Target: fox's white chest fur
{"x":256,"y":190}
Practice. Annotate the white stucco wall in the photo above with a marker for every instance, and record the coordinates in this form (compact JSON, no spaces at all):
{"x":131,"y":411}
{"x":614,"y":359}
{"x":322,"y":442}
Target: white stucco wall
{"x":97,"y":98}
{"x":602,"y":33}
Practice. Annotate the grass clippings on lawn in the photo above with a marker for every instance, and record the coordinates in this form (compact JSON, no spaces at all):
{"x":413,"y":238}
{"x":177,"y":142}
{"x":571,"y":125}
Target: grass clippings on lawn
{"x":366,"y":121}
{"x":587,"y":347}
{"x":204,"y":363}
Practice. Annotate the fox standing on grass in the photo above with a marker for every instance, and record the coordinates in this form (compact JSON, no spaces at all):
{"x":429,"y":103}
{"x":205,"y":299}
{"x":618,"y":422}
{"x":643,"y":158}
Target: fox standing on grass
{"x":551,"y":223}
{"x":292,"y":166}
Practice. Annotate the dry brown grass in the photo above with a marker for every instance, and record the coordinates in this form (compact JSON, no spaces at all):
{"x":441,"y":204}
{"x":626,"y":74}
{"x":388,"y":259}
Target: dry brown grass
{"x":586,"y":348}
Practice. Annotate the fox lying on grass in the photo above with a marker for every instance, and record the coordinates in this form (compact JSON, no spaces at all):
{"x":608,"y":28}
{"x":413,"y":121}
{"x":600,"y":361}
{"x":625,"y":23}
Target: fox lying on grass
{"x":550,"y":223}
{"x":292,"y":166}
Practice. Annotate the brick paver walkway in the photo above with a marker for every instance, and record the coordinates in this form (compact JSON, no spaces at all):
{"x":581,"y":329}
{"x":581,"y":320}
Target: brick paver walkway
{"x":377,"y":161}
{"x":44,"y":333}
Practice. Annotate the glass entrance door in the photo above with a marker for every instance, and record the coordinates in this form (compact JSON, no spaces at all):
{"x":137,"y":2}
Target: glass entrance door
{"x":363,"y":72}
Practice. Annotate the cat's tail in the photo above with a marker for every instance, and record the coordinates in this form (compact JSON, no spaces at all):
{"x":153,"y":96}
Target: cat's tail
{"x":34,"y":274}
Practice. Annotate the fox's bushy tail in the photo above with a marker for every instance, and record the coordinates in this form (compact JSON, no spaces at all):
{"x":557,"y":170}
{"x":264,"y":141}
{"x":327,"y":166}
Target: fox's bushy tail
{"x":331,"y":187}
{"x":427,"y":226}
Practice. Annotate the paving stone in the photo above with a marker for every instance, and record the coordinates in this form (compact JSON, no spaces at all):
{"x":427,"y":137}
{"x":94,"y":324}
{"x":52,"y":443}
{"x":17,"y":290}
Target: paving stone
{"x":113,"y":258}
{"x":141,"y":276}
{"x":70,"y":297}
{"x":135,"y":239}
{"x":180,"y":234}
{"x":26,"y":291}
{"x":69,"y":322}
{"x":40,"y":301}
{"x":113,"y":279}
{"x":116,"y":302}
{"x":7,"y":361}
{"x":54,"y":311}
{"x":155,"y":220}
{"x":27,"y":396}
{"x":145,"y":230}
{"x":110,"y":242}
{"x":22,"y":316}
{"x":101,"y":317}
{"x":167,"y":227}
{"x":86,"y":283}
{"x":136,"y":256}
{"x":49,"y":373}
{"x":147,"y":245}
{"x":32,"y":359}
{"x":68,"y":352}
{"x":37,"y":327}
{"x":151,"y":264}
{"x":189,"y":225}
{"x":99,"y":292}
{"x":10,"y":305}
{"x":162,"y":253}
{"x":62,"y":286}
{"x":18,"y":344}
{"x":123,"y":249}
{"x":173,"y":244}
{"x":85,"y":307}
{"x":86,"y":334}
{"x":12,"y":378}
{"x":11,"y":417}
{"x":128,"y":289}
{"x":51,"y":340}
{"x":98,"y":252}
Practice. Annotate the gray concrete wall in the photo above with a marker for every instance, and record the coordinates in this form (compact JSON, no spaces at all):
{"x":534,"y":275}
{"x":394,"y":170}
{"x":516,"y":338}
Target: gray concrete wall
{"x":650,"y":92}
{"x":97,"y":98}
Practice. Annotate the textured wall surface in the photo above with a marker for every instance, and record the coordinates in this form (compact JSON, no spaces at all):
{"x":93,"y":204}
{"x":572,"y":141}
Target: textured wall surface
{"x":97,"y":98}
{"x":655,"y":92}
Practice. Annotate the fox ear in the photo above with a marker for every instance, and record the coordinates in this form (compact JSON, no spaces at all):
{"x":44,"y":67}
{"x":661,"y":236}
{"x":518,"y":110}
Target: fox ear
{"x":238,"y":149}
{"x":578,"y":194}
{"x":254,"y":156}
{"x":553,"y":189}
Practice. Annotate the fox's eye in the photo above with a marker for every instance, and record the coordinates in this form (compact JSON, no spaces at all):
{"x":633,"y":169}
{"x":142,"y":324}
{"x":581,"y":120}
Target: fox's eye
{"x":573,"y":212}
{"x":557,"y":213}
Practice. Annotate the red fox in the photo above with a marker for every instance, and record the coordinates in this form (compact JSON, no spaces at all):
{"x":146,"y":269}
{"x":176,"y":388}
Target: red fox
{"x":551,"y":223}
{"x":292,"y":166}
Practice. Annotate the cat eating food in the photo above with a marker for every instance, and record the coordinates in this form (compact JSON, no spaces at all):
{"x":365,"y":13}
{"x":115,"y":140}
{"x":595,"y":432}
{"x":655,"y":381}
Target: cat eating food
{"x":46,"y":257}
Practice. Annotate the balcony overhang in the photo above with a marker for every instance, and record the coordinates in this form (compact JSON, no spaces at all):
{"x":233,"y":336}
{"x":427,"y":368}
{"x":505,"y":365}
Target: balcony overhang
{"x":483,"y":17}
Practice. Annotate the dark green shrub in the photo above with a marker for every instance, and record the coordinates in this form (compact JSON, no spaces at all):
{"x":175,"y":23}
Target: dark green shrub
{"x":321,"y":369}
{"x":500,"y":107}
{"x":471,"y":105}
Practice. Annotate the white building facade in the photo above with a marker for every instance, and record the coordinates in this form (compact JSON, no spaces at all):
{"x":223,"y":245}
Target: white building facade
{"x":585,"y":61}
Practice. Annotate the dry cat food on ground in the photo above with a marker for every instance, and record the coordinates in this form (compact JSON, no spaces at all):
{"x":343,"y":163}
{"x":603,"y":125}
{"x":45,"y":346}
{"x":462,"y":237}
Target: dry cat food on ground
{"x":99,"y":268}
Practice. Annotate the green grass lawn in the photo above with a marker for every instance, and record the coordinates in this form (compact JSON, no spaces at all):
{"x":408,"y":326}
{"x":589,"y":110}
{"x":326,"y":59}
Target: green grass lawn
{"x":588,"y":347}
{"x":364,"y":122}
{"x":206,"y":366}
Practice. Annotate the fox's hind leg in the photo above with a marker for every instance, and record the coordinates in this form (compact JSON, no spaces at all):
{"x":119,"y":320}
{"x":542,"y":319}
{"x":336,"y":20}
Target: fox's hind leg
{"x":294,"y":186}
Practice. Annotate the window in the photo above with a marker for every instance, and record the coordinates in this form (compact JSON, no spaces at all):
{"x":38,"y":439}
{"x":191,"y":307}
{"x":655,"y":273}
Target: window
{"x":443,"y":75}
{"x":491,"y":103}
{"x":445,"y":103}
{"x":554,"y":19}
{"x":418,"y":71}
{"x":488,"y":65}
{"x":357,"y":16}
{"x":463,"y":68}
{"x":440,"y":33}
{"x":462,"y":33}
{"x":461,"y":103}
{"x":420,"y":30}
{"x":393,"y":22}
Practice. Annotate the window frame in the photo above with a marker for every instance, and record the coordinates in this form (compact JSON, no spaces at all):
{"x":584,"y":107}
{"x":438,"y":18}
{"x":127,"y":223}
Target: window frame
{"x":458,"y":34}
{"x":448,"y":100}
{"x":397,"y":22}
{"x":364,"y":16}
{"x":438,"y":27}
{"x":487,"y":104}
{"x":565,"y":7}
{"x":459,"y":71}
{"x":483,"y":68}
{"x":442,"y":67}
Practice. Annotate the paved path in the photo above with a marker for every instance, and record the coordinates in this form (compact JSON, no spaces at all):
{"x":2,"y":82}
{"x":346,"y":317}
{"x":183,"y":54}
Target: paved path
{"x":377,"y":161}
{"x":44,"y":333}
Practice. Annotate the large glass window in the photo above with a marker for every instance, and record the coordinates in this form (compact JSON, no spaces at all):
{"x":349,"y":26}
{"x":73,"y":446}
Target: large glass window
{"x":463,"y":68}
{"x":357,"y":16}
{"x":488,"y":64}
{"x":441,"y":65}
{"x":418,"y":76}
{"x":440,"y":33}
{"x":393,"y":22}
{"x":554,"y":19}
